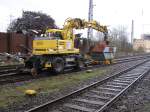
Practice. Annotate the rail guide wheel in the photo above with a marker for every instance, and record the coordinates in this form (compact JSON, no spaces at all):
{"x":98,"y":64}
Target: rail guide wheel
{"x":80,"y":64}
{"x":58,"y":65}
{"x":34,"y":72}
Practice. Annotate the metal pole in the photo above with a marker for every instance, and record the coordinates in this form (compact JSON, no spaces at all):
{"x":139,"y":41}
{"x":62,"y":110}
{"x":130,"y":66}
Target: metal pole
{"x":132,"y":32}
{"x":90,"y":18}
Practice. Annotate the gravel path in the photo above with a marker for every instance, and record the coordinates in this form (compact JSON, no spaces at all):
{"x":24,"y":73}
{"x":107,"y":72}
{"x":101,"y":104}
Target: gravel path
{"x":44,"y":97}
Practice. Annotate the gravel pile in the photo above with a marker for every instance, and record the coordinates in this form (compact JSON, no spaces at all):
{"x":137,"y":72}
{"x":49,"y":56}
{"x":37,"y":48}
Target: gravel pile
{"x":44,"y":97}
{"x":137,"y":100}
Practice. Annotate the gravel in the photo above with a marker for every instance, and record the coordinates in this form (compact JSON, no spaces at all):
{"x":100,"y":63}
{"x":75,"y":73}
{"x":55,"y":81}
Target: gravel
{"x":44,"y":97}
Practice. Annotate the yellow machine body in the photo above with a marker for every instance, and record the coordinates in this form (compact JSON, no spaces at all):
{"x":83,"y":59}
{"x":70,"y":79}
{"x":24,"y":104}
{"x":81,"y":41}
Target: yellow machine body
{"x":53,"y":47}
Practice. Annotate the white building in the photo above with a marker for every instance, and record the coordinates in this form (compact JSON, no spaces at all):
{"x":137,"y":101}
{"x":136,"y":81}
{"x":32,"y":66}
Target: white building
{"x":144,"y":42}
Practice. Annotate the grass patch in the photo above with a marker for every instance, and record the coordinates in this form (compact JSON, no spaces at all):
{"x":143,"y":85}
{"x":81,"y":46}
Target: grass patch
{"x":10,"y":94}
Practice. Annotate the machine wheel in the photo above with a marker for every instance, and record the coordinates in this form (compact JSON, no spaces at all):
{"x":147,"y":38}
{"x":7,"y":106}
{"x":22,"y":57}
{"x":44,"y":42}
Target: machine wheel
{"x":58,"y":65}
{"x":36,"y":69}
{"x":34,"y":72}
{"x":80,"y":64}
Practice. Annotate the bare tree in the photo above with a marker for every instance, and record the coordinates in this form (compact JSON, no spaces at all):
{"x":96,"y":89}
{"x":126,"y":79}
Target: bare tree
{"x":32,"y":20}
{"x":119,"y":38}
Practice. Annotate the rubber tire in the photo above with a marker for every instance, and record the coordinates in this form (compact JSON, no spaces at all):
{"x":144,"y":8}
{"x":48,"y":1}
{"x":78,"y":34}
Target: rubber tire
{"x":58,"y":65}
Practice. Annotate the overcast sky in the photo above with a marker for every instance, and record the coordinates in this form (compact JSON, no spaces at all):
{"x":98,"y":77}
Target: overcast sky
{"x":107,"y":12}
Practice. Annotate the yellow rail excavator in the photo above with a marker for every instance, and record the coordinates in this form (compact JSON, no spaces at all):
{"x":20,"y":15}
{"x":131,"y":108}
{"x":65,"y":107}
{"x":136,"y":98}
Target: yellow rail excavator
{"x":55,"y":50}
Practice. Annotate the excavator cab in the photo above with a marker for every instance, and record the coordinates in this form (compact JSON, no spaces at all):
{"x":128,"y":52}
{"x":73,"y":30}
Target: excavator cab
{"x":54,"y":35}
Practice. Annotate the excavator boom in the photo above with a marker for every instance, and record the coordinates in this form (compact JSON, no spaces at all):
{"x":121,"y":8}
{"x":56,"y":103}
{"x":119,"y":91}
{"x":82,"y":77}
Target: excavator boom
{"x":78,"y":23}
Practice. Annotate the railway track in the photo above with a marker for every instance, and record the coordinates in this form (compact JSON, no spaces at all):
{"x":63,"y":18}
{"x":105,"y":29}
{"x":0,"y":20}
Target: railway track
{"x":10,"y":74}
{"x":99,"y":96}
{"x":14,"y":77}
{"x":15,"y":68}
{"x":10,"y":69}
{"x":132,"y":58}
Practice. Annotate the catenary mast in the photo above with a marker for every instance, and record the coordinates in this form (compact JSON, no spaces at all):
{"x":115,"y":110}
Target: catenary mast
{"x":90,"y":18}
